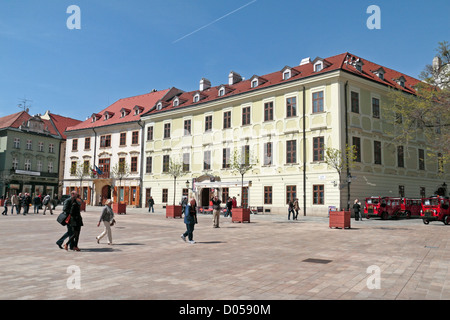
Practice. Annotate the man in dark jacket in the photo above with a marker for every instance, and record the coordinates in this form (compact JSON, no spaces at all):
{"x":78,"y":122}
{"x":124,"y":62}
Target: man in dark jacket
{"x":216,"y":211}
{"x":66,"y":208}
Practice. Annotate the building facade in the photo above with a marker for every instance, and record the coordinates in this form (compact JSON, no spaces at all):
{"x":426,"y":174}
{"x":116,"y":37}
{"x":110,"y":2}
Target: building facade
{"x":285,"y":121}
{"x":30,"y":153}
{"x":103,"y":153}
{"x":281,"y":123}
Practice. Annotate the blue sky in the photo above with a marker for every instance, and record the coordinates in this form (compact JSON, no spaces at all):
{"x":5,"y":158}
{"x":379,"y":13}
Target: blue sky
{"x":127,"y":48}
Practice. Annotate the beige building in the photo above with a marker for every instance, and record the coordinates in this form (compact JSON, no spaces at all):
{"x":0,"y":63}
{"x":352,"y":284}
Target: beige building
{"x":285,"y":120}
{"x":104,"y":152}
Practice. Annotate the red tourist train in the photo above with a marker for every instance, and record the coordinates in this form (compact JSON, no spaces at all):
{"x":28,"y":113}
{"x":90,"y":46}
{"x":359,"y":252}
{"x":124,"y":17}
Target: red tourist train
{"x":435,"y":209}
{"x":392,"y":207}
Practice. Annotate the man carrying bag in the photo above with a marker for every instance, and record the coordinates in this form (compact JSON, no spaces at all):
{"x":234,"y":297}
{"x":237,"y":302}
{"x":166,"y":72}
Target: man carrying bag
{"x":63,"y":217}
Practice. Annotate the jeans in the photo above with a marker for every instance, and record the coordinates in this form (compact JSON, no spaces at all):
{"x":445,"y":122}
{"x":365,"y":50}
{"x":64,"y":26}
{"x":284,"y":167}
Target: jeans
{"x":151,"y":208}
{"x":189,"y":231}
{"x":289,"y":214}
{"x":65,"y":235}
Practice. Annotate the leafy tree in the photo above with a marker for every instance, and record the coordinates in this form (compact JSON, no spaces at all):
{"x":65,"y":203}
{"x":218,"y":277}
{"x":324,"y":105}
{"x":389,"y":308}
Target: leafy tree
{"x":426,"y":113}
{"x":339,"y":160}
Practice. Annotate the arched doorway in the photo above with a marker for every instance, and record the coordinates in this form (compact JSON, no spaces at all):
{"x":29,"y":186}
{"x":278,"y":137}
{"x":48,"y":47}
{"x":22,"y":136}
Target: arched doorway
{"x":106,"y":193}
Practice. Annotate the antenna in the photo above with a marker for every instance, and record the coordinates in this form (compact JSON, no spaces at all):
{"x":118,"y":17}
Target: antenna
{"x":24,"y":105}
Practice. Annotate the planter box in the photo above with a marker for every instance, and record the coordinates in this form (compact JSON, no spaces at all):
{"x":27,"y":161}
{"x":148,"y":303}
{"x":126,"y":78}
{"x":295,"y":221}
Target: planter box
{"x":240,"y":215}
{"x":340,"y":219}
{"x":173,"y":211}
{"x":119,"y":208}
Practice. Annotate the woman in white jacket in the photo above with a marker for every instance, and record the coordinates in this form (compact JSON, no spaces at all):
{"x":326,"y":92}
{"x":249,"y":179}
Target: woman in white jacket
{"x":107,"y":217}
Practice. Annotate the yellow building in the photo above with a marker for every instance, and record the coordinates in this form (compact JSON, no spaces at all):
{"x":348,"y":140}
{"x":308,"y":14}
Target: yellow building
{"x":285,"y":120}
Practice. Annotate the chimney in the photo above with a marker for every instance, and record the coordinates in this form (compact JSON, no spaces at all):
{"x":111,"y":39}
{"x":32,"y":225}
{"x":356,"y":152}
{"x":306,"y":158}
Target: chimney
{"x":437,"y":63}
{"x":305,"y":61}
{"x":205,"y":84}
{"x":234,"y":78}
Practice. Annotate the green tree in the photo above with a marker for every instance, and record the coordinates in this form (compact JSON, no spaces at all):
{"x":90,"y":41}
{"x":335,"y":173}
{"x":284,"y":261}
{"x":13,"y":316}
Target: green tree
{"x":425,"y":113}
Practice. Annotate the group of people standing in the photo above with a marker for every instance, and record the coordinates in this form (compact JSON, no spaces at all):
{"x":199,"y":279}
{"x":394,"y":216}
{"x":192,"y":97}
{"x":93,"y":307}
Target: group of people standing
{"x":72,"y":209}
{"x":294,"y":208}
{"x":190,"y":213}
{"x":24,"y":201}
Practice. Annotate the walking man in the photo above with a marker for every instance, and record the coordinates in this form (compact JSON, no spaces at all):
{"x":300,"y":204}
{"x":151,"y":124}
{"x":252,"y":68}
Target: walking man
{"x":47,"y":204}
{"x":291,"y":209}
{"x":151,"y":202}
{"x":216,"y":211}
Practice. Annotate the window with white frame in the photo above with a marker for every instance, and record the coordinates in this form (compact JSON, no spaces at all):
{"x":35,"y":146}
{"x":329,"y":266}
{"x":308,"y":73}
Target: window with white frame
{"x":50,"y":166}
{"x":27,"y":165}
{"x":40,"y":146}
{"x":17,"y":143}
{"x":39,"y":165}
{"x":15,"y":163}
{"x":29,"y":144}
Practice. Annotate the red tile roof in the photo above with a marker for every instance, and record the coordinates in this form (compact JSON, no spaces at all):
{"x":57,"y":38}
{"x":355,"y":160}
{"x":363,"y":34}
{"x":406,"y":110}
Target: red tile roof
{"x":15,"y":120}
{"x":62,"y":123}
{"x":144,"y":102}
{"x":344,"y":61}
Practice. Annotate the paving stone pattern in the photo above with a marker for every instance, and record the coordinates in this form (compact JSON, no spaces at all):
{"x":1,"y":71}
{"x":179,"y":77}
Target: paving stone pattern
{"x":269,"y":258}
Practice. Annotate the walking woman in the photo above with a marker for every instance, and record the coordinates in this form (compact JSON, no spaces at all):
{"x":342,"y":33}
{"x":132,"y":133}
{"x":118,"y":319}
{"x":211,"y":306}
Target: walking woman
{"x":107,"y":217}
{"x":190,"y":219}
{"x":76,"y":222}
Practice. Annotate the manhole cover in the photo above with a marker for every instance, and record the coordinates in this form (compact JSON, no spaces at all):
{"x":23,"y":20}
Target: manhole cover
{"x":323,"y":261}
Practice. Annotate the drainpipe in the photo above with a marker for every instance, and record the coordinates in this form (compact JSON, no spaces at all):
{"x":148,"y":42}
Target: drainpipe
{"x":141,"y":171}
{"x":304,"y":152}
{"x":346,"y":144}
{"x":95,"y":155}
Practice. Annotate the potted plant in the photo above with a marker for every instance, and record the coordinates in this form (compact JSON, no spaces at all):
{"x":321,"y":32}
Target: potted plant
{"x":175,"y":169}
{"x":241,"y":163}
{"x":119,"y":171}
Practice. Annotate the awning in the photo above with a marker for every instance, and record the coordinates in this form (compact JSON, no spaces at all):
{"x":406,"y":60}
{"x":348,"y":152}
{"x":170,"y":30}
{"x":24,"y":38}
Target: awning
{"x":221,"y":184}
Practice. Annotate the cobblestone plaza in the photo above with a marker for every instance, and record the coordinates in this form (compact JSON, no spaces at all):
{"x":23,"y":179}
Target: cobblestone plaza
{"x":269,"y":258}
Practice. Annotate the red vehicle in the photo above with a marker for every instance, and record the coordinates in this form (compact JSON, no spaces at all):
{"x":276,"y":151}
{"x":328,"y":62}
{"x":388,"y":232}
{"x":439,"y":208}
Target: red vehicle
{"x":435,"y":209}
{"x":388,"y":207}
{"x":372,"y":206}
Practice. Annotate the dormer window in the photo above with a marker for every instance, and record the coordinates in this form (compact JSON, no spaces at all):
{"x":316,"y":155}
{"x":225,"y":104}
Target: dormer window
{"x":137,"y":110}
{"x":256,"y":81}
{"x":318,"y":66}
{"x":124,"y":112}
{"x":221,"y":92}
{"x":379,"y":73}
{"x":176,"y":102}
{"x":400,"y":81}
{"x":287,"y":74}
{"x":108,"y":115}
{"x":159,"y":106}
{"x":197,"y":98}
{"x":95,"y":117}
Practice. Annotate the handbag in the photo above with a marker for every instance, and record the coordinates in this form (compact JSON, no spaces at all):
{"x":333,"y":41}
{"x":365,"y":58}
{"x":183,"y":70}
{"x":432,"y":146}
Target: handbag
{"x":113,"y":222}
{"x":62,"y":218}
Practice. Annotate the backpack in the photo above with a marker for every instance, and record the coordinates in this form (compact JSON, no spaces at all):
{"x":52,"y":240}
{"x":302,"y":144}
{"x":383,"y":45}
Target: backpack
{"x":46,"y":200}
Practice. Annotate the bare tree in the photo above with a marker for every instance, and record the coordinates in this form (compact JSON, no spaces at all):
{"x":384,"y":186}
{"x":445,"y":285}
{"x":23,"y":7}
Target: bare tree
{"x":242,"y":162}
